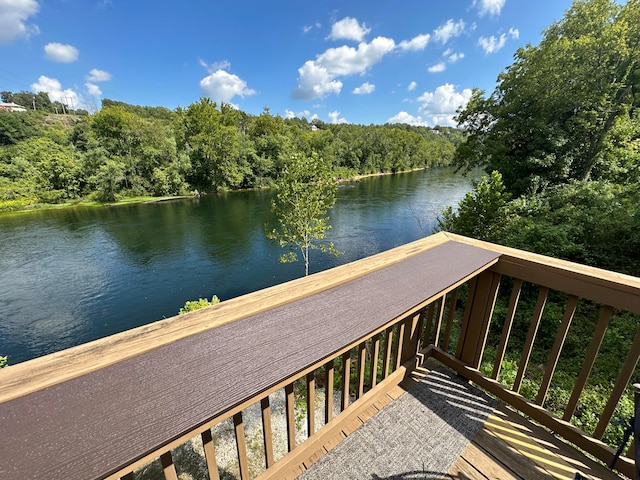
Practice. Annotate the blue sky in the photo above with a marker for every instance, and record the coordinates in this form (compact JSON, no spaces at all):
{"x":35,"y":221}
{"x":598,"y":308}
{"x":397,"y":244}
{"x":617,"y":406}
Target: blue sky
{"x":410,"y":61}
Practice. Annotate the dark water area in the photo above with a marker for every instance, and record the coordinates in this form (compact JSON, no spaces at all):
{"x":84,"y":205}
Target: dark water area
{"x":74,"y":275}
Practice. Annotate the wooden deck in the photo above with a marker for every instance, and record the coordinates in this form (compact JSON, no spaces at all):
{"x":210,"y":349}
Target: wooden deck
{"x":508,"y":447}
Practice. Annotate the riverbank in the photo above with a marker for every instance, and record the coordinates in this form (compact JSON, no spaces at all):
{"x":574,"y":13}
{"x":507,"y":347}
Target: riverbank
{"x":16,"y":208}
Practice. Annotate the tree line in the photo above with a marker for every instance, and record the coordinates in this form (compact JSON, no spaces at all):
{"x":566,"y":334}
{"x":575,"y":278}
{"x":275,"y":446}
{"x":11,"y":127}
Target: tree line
{"x":128,"y":150}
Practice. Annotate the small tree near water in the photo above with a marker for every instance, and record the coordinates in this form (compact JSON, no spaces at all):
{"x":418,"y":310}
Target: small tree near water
{"x":306,"y":192}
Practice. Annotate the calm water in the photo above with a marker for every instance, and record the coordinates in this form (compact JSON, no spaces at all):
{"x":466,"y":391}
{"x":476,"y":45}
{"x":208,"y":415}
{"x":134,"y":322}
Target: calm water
{"x":71,"y":276}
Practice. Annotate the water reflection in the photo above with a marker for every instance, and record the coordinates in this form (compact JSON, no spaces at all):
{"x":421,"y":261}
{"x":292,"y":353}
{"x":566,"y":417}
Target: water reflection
{"x":71,"y":276}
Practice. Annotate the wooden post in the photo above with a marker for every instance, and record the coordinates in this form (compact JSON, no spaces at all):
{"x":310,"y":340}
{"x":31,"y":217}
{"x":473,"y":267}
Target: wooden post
{"x":483,"y":291}
{"x":411,"y":338}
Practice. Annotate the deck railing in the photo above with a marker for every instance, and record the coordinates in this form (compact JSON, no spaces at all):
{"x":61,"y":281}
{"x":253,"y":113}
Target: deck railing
{"x":334,"y":343}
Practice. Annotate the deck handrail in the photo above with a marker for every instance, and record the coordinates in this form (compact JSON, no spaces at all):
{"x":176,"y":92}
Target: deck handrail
{"x":104,"y":409}
{"x":612,"y":292}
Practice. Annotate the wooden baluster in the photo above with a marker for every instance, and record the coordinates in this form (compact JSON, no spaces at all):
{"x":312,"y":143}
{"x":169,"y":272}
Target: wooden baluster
{"x":531,"y":335}
{"x":361,"y":363}
{"x":621,"y":383}
{"x":411,"y":343}
{"x":291,"y":420}
{"x":401,"y":339}
{"x":241,"y":443}
{"x":374,"y":360}
{"x":328,"y":391}
{"x":311,"y":403}
{"x":441,"y":304}
{"x":483,"y":292}
{"x":450,"y":315}
{"x":420,"y":329}
{"x":506,"y":328}
{"x":473,"y":283}
{"x":601,"y":328}
{"x":346,"y":374}
{"x":388,"y":350}
{"x":210,"y":454}
{"x":426,"y":339}
{"x":267,"y":432}
{"x":168,"y":468}
{"x":561,"y":335}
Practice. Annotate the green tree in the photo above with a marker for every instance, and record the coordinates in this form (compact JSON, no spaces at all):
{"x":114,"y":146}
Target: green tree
{"x":483,"y":213}
{"x":210,"y":137}
{"x":15,"y":127}
{"x":306,"y":192}
{"x":553,"y":108}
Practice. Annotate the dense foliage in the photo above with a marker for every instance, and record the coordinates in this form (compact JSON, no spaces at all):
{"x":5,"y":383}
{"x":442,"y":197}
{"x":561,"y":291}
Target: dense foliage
{"x":561,"y":134}
{"x":560,"y":140}
{"x":128,"y":150}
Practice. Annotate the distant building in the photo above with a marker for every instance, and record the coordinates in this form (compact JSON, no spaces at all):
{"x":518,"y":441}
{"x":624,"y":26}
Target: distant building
{"x":12,"y":107}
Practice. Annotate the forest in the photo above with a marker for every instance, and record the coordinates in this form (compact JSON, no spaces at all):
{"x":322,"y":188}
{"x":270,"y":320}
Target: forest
{"x":49,"y":157}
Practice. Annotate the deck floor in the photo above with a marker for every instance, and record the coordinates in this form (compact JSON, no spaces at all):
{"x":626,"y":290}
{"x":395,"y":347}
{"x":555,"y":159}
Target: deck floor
{"x":507,"y":447}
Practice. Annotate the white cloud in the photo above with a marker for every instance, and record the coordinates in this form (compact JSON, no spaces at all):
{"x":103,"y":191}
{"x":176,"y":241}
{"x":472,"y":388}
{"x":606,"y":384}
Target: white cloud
{"x":314,"y":81}
{"x":454,"y":57}
{"x":348,"y":29}
{"x":318,"y":78}
{"x":412,"y":86}
{"x":303,"y":114}
{"x":308,"y":28}
{"x":215,"y":66}
{"x":222,"y":86}
{"x":491,"y":7}
{"x":404,"y":117}
{"x":449,"y":30}
{"x":364,"y":89}
{"x":56,"y":94}
{"x":416,"y":43}
{"x":349,"y":61}
{"x":61,"y":53}
{"x":93,"y":89}
{"x":493,"y":44}
{"x":437,"y":68}
{"x":96,"y":75}
{"x":14,"y":16}
{"x":334,"y":117}
{"x":439,"y":107}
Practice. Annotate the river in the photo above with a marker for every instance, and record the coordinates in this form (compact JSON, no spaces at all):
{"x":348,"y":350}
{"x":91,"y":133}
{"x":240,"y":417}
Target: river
{"x":74,"y":275}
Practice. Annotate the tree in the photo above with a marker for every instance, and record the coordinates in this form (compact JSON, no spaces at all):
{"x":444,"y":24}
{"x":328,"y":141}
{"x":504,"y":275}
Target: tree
{"x":210,"y":137}
{"x":482,"y":213}
{"x":553,"y":108}
{"x":306,"y":191}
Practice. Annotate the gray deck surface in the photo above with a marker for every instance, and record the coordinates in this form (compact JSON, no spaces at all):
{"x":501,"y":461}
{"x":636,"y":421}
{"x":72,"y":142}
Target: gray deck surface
{"x":419,"y":436}
{"x":95,"y":424}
